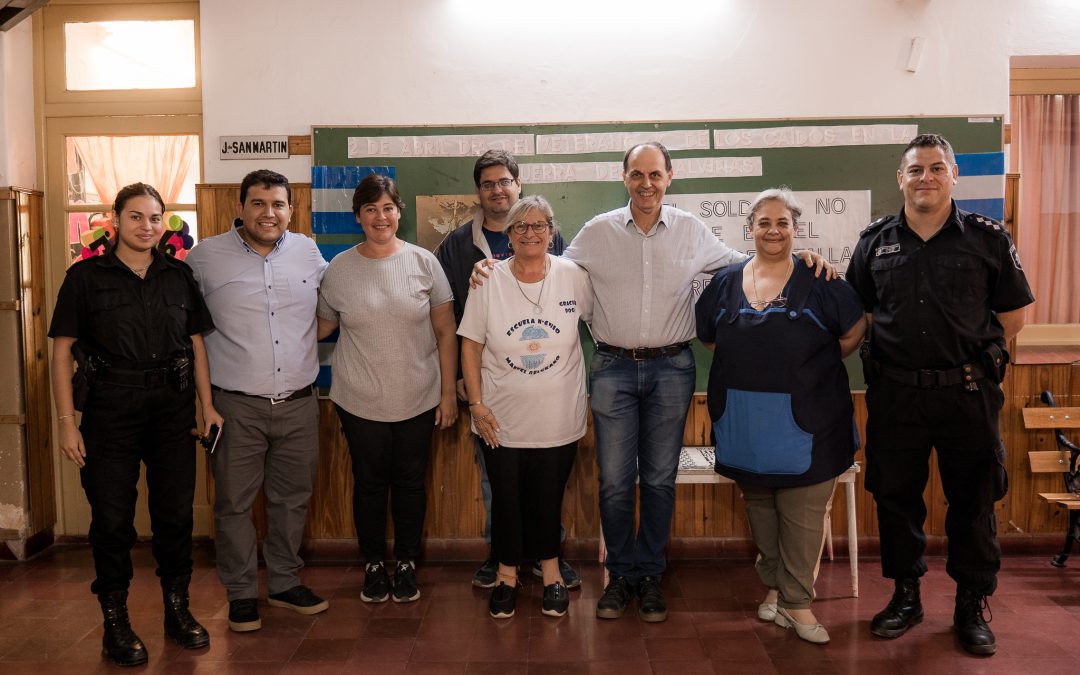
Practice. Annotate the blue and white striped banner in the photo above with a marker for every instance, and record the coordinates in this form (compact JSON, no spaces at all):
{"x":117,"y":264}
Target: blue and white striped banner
{"x":335,"y":229}
{"x":981,"y":187}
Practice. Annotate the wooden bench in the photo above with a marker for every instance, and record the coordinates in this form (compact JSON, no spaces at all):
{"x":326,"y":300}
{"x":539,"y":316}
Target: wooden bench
{"x":696,"y":466}
{"x":1065,"y":461}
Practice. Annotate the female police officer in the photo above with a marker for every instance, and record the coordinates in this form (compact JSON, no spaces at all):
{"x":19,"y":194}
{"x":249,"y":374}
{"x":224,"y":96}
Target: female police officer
{"x":133,"y":320}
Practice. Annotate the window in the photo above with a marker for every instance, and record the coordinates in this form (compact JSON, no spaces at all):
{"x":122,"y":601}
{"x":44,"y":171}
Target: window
{"x":144,"y":54}
{"x":98,"y":166}
{"x":129,"y":55}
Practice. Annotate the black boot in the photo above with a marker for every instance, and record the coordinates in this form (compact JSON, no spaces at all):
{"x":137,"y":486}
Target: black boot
{"x":902,"y":612}
{"x":179,"y":624}
{"x":120,"y":643}
{"x":972,"y":629}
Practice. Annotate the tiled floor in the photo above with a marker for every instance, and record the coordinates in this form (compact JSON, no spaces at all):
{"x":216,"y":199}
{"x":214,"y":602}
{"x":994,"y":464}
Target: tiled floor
{"x":49,"y":623}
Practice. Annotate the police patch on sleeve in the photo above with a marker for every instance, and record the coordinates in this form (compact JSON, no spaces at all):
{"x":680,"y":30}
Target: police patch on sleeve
{"x":1015,"y":255}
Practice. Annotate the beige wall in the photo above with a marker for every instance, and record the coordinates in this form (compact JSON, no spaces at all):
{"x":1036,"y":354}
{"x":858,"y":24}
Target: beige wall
{"x":18,"y":161}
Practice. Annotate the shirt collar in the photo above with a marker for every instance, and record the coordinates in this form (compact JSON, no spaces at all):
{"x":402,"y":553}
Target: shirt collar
{"x":157,"y":259}
{"x":954,"y":218}
{"x":628,"y":219}
{"x":239,"y":222}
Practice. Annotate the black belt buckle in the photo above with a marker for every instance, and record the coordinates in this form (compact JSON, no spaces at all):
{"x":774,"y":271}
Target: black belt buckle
{"x":929,"y":379}
{"x":641,"y":353}
{"x":155,"y":377}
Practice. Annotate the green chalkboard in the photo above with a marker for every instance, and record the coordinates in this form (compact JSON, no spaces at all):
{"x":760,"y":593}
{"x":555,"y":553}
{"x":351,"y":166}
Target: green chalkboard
{"x":807,"y":164}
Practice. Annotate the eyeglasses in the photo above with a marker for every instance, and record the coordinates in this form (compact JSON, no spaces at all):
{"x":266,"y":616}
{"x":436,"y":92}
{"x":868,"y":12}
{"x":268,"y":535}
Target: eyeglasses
{"x":779,"y":302}
{"x":489,"y":185}
{"x":539,"y":227}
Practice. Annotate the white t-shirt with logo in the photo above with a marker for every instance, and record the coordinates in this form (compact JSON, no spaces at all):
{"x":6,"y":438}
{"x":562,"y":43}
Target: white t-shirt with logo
{"x":532,"y":370}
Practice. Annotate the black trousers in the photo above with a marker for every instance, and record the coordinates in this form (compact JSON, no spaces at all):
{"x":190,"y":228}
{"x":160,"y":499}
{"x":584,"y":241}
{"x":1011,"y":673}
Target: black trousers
{"x":527,"y":486}
{"x":962,"y":426}
{"x":389,"y":461}
{"x":121,"y":428}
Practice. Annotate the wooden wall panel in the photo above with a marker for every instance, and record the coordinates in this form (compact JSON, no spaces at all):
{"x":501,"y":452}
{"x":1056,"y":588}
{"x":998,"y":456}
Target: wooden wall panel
{"x":36,"y":360}
{"x":702,"y":512}
{"x":215,"y":206}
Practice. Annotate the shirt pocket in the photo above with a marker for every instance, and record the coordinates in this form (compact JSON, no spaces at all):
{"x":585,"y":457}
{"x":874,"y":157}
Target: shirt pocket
{"x":111,"y":310}
{"x":177,"y":311}
{"x":961,"y":280}
{"x":890,"y":275}
{"x":415,"y":299}
{"x":757,"y":433}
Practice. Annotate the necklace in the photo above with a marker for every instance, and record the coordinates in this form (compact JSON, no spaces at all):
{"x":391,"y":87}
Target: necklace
{"x":139,"y":271}
{"x":537,"y":307}
{"x":778,"y":301}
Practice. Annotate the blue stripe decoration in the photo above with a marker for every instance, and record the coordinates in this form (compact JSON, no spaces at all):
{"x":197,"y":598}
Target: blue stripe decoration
{"x":345,"y":177}
{"x":981,"y":163}
{"x":992,"y":208}
{"x":330,"y":250}
{"x":813,"y":317}
{"x":334,"y":222}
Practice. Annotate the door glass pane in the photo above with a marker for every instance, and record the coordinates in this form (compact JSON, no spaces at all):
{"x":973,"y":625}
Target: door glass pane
{"x":98,"y":166}
{"x":89,"y":233}
{"x":130,"y":55}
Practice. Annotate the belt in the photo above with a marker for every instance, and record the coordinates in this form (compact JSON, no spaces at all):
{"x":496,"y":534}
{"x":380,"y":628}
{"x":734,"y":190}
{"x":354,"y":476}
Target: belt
{"x":151,"y":377}
{"x":302,"y":392}
{"x":933,"y":379}
{"x":642,"y":353}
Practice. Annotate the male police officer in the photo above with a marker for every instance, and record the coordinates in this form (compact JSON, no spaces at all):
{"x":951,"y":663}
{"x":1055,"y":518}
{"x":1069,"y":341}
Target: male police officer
{"x":945,"y":291}
{"x":261,"y":282}
{"x":498,"y":188}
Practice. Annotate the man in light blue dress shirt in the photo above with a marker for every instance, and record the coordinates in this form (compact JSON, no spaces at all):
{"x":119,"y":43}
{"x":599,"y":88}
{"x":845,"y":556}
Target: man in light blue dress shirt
{"x":261,"y":284}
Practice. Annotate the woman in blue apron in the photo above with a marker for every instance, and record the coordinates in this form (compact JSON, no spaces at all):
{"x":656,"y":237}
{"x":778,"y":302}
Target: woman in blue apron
{"x":780,"y":402}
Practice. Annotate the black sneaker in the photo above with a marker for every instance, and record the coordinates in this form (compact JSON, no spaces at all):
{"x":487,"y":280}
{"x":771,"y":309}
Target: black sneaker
{"x":376,"y":583}
{"x":244,"y":615}
{"x":651,"y":607}
{"x":503,"y":598}
{"x":299,"y":599}
{"x":556,"y":601}
{"x":487,"y":574}
{"x":612,"y":603}
{"x":570,"y":576}
{"x":405,"y":589}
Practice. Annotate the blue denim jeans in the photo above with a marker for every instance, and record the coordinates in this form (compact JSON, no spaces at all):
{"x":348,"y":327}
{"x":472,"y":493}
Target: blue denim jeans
{"x":639,"y":414}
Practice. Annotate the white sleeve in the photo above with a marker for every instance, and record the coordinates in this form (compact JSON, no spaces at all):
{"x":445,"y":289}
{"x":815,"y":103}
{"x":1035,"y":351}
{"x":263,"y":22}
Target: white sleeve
{"x":474,"y":320}
{"x":714,"y":254}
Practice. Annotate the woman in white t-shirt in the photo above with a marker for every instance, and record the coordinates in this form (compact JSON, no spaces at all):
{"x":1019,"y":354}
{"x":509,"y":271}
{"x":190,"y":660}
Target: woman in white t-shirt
{"x":524,"y":374}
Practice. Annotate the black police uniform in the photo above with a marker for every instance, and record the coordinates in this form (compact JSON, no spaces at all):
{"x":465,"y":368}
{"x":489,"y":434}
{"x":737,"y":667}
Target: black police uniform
{"x":936,"y":360}
{"x":135,"y":335}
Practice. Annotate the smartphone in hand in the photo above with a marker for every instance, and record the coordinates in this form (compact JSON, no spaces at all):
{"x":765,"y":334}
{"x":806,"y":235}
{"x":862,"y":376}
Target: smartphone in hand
{"x":212,"y":437}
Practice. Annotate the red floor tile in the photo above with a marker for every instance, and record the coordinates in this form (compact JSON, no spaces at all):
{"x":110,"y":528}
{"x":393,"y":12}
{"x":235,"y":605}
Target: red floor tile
{"x":50,"y":623}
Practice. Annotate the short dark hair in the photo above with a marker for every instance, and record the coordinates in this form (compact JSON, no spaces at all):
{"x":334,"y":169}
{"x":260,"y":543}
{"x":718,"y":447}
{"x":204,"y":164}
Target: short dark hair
{"x":267,"y":179}
{"x":929,"y":141}
{"x":135,"y":190}
{"x":494,"y":158}
{"x":651,"y":144}
{"x":372,"y":188}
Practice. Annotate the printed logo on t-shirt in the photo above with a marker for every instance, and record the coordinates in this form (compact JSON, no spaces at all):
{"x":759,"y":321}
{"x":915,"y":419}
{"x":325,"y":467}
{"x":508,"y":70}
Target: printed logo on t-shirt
{"x":534,"y":335}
